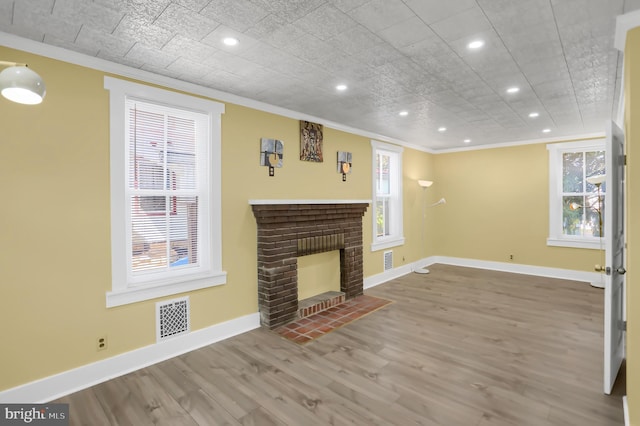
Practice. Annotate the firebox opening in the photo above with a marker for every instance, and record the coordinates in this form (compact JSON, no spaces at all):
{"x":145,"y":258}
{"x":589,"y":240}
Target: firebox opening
{"x":318,"y":273}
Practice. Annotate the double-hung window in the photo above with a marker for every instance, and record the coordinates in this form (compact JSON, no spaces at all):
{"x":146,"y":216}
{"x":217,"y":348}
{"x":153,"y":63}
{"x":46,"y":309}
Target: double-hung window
{"x":165,"y":192}
{"x":387,"y":195}
{"x":576,"y":199}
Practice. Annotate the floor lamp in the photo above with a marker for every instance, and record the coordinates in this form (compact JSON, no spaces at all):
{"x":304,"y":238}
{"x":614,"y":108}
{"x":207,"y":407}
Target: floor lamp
{"x":424,"y":184}
{"x":596,"y":180}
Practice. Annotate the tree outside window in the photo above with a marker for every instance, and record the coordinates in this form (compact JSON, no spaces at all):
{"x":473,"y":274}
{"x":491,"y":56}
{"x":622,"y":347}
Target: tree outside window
{"x":580,"y":202}
{"x":383,"y":192}
{"x":387,"y":195}
{"x":576,"y":208}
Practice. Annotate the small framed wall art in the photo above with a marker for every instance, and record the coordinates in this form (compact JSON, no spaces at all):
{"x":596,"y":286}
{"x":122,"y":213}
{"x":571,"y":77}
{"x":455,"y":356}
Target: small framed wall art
{"x":310,"y":141}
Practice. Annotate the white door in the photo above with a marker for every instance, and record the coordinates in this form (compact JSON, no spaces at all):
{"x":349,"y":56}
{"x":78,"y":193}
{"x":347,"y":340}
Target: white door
{"x":614,"y":329}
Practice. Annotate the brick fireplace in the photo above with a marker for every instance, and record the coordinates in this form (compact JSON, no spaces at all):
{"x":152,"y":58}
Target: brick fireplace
{"x":288,"y":229}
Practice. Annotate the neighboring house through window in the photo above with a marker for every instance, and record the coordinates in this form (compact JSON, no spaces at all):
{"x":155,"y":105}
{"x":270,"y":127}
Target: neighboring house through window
{"x":576,"y":211}
{"x":387,"y":196}
{"x":165,"y":192}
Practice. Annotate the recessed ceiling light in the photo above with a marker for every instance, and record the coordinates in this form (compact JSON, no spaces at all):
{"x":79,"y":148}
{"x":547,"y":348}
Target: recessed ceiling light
{"x":533,"y":115}
{"x":442,"y":129}
{"x":513,"y":90}
{"x":467,"y":141}
{"x":476,"y":44}
{"x":403,"y":113}
{"x":230,"y":41}
{"x":341,"y":87}
{"x":546,"y":130}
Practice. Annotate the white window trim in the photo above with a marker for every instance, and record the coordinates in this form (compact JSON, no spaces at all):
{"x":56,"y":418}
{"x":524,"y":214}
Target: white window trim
{"x":398,"y":238}
{"x":123,"y":292}
{"x":556,"y":237}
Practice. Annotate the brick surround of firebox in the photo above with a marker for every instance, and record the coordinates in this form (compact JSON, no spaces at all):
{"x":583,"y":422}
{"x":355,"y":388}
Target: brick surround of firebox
{"x":288,"y":229}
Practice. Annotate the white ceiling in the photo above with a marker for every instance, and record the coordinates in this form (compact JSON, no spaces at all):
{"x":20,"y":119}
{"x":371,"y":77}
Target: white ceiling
{"x":394,"y":55}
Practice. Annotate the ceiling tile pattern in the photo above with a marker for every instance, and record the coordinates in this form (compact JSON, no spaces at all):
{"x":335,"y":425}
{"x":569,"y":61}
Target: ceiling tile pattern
{"x":394,"y":55}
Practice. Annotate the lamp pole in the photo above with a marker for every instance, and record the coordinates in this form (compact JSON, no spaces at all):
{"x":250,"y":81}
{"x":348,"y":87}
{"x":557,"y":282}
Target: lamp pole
{"x":424,"y":184}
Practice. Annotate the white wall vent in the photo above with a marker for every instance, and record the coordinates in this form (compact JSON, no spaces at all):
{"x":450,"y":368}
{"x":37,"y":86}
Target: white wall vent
{"x":172,"y":318}
{"x":388,"y":260}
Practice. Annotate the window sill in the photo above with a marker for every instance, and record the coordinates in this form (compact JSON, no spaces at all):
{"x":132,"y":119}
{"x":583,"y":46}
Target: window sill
{"x":387,"y":243}
{"x":142,"y":293}
{"x":576,"y":243}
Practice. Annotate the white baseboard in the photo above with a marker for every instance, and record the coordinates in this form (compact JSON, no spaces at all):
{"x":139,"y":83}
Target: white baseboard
{"x":389,"y":275}
{"x":625,"y":408}
{"x":65,"y":383}
{"x":592,"y":278}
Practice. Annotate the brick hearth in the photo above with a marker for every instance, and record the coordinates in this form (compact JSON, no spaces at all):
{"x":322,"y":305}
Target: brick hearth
{"x":287,"y":230}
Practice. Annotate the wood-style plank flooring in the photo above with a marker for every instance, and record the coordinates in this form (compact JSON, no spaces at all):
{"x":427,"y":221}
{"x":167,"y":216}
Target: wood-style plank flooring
{"x":459,"y":346}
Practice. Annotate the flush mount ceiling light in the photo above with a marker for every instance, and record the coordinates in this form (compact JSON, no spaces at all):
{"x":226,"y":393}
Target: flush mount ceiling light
{"x":476,"y":44}
{"x":442,"y":129}
{"x":20,"y":84}
{"x":467,"y":141}
{"x":533,"y":115}
{"x":403,"y":113}
{"x":230,"y":41}
{"x":546,"y":130}
{"x":513,"y":90}
{"x":341,"y":87}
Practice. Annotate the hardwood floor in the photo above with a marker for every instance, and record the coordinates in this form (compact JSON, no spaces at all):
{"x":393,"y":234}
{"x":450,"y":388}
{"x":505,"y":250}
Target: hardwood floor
{"x":459,"y":346}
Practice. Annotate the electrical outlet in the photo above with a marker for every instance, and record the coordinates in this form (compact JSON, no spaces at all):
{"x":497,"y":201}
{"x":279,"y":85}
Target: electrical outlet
{"x":510,"y":257}
{"x":102,"y":343}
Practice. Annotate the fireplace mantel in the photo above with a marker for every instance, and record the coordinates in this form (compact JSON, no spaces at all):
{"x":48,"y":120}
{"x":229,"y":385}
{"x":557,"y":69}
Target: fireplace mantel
{"x":279,"y":202}
{"x":288,"y":229}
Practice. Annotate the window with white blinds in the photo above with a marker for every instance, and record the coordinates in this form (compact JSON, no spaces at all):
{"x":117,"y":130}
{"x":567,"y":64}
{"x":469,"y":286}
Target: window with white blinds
{"x":165,"y":181}
{"x":166,"y":178}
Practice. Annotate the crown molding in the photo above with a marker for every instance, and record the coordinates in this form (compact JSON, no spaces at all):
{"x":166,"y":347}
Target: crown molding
{"x":596,"y":135}
{"x":76,"y":58}
{"x":625,"y":23}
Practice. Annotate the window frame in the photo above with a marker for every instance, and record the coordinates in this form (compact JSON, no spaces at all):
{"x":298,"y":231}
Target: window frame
{"x":125,"y":290}
{"x":396,"y":238}
{"x":556,"y":237}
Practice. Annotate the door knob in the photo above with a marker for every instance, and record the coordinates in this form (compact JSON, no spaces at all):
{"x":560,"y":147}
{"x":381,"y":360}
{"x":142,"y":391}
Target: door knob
{"x":599,"y":268}
{"x":621,"y":270}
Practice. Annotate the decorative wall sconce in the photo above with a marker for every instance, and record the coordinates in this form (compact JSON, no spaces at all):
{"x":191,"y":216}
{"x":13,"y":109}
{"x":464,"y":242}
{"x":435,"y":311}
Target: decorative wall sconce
{"x":271,"y":154}
{"x":344,"y":164}
{"x":20,"y":84}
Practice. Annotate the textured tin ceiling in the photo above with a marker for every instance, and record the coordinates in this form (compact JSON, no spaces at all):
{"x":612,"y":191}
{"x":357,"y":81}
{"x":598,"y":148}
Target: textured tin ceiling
{"x":394,"y":55}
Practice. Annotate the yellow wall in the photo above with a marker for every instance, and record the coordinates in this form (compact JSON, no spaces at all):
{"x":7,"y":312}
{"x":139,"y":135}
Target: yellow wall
{"x":418,"y":166}
{"x":632,"y":135}
{"x":55,"y":220}
{"x":497,"y":206}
